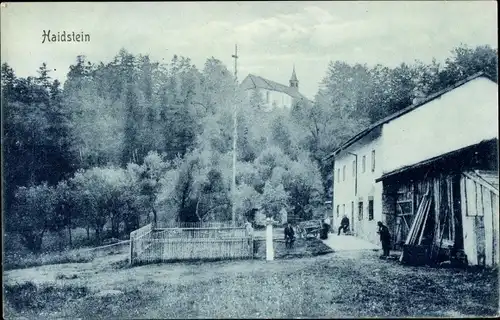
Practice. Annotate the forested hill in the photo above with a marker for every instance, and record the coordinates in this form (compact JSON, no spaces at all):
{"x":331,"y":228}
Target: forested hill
{"x":133,"y":139}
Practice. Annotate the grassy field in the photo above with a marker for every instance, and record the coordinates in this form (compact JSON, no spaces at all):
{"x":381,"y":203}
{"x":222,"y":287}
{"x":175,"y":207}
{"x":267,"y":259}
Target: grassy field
{"x":343,"y":284}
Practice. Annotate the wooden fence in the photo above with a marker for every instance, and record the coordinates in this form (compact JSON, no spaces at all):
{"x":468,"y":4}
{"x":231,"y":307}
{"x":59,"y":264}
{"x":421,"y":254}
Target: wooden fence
{"x":170,"y":225}
{"x":138,"y":244}
{"x":188,"y":243}
{"x":119,"y":247}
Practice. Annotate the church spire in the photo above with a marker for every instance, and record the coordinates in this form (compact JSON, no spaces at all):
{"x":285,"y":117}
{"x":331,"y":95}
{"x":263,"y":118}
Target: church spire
{"x":294,"y":82}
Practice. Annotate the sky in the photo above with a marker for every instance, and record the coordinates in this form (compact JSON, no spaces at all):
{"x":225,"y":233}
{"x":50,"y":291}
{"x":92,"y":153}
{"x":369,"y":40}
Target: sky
{"x":272,"y":37}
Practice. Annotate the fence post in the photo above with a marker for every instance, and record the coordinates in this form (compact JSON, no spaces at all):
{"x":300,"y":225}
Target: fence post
{"x":131,"y":258}
{"x":249,"y":234}
{"x":269,"y":240}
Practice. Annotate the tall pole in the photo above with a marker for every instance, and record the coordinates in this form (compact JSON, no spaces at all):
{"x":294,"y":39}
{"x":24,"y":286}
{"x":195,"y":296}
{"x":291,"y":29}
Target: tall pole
{"x":235,"y":135}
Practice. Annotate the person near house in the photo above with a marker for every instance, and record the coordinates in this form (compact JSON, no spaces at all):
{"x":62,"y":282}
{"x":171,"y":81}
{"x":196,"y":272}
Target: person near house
{"x":289,"y":236}
{"x":344,"y":225}
{"x":328,"y":223}
{"x":385,"y":238}
{"x":324,"y":231}
{"x":249,"y":228}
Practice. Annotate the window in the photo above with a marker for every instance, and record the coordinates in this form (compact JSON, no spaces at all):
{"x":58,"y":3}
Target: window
{"x":370,"y":209}
{"x":338,"y":210}
{"x":343,"y":209}
{"x":267,"y":96}
{"x":373,"y":160}
{"x":360,"y":211}
{"x":338,"y":175}
{"x":352,"y":210}
{"x":343,"y":173}
{"x":363,"y":164}
{"x":354,"y":168}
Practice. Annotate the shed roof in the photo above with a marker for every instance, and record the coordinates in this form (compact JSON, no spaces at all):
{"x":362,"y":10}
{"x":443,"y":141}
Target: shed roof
{"x":489,"y":176}
{"x":405,"y":111}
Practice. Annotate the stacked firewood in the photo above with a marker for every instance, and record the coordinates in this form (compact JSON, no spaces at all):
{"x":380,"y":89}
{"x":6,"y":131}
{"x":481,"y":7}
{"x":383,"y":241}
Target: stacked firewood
{"x":417,"y":229}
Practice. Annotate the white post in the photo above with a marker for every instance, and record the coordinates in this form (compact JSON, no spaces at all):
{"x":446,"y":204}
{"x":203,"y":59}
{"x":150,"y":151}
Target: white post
{"x":131,"y":252}
{"x":269,"y":240}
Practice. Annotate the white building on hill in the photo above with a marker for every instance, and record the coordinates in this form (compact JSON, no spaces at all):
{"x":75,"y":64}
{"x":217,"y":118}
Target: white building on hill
{"x":273,"y":94}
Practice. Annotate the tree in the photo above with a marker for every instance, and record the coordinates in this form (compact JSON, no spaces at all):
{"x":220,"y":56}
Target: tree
{"x":33,"y":214}
{"x":247,"y":202}
{"x":303,"y":183}
{"x":150,"y":174}
{"x":64,"y":211}
{"x":256,"y":101}
{"x":213,"y":199}
{"x":273,"y":199}
{"x":97,"y":195}
{"x":131,"y":129}
{"x":43,"y":78}
{"x":217,"y":87}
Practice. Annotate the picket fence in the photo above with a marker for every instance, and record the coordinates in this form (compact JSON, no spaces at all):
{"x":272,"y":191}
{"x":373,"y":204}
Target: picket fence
{"x":214,"y":224}
{"x":184,"y":242}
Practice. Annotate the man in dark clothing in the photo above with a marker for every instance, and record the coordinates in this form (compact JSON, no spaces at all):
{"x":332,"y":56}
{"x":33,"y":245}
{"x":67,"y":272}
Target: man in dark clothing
{"x":385,"y":238}
{"x":324,"y":231}
{"x":344,"y":225}
{"x":289,"y":236}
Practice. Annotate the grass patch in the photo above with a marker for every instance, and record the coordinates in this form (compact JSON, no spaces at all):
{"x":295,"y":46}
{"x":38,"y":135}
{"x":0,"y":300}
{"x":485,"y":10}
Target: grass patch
{"x":30,"y":297}
{"x":130,"y":305}
{"x":22,"y":261}
{"x":121,"y":264}
{"x":328,"y":289}
{"x":301,"y":248}
{"x":342,"y":285}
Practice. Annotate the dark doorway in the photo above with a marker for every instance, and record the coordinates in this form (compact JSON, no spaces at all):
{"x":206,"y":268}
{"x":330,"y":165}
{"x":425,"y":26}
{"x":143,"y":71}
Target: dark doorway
{"x":457,"y":212}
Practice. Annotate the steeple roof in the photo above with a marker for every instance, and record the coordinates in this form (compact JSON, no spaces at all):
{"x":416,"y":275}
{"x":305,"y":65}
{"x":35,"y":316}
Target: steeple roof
{"x":294,"y":76}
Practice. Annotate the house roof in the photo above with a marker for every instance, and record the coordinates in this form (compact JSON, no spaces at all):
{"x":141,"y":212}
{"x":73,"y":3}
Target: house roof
{"x":404,"y":111}
{"x":488,"y":176}
{"x":253,"y":82}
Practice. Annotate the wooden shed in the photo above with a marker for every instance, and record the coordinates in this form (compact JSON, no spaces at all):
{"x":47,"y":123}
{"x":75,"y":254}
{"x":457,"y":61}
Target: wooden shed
{"x":462,"y":216}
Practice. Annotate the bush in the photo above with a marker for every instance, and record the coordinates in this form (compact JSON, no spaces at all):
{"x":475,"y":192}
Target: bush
{"x":61,"y":276}
{"x":21,"y":261}
{"x":29,"y":296}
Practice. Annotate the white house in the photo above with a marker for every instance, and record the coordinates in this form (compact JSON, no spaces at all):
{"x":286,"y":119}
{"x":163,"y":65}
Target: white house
{"x":273,"y":94}
{"x":447,"y":145}
{"x":355,"y":192}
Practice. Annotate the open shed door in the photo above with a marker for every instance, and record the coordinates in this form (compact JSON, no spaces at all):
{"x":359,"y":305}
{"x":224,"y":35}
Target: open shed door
{"x":479,"y":204}
{"x":404,"y":219}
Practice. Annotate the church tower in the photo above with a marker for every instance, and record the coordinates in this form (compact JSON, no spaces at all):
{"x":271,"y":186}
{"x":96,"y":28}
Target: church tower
{"x":294,"y":83}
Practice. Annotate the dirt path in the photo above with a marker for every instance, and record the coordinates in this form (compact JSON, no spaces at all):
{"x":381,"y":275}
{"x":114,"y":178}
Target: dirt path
{"x":342,"y":284}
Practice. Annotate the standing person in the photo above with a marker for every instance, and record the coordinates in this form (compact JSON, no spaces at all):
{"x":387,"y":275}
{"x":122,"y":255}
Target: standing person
{"x":344,"y":224}
{"x":249,"y":228}
{"x":385,"y":238}
{"x":328,"y":224}
{"x":324,"y":231}
{"x":289,"y":236}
